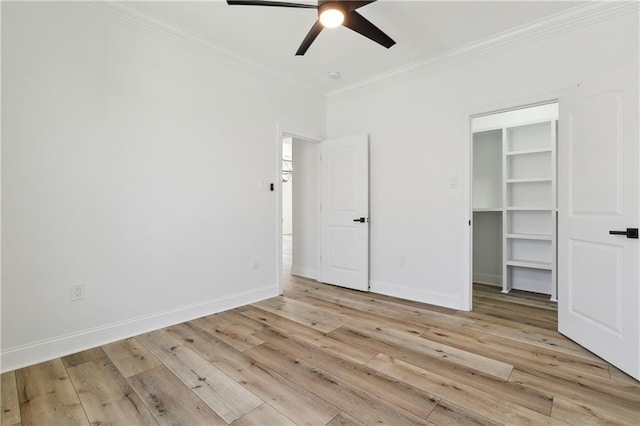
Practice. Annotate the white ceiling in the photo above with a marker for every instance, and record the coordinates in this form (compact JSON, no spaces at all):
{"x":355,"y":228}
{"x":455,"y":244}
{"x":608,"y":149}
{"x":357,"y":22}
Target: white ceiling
{"x":270,"y":36}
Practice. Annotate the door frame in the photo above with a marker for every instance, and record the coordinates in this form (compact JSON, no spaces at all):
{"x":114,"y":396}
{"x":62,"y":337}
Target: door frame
{"x":281,"y":133}
{"x":553,"y":97}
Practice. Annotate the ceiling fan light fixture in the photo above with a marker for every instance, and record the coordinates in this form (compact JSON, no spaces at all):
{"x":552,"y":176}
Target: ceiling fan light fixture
{"x":331,"y":18}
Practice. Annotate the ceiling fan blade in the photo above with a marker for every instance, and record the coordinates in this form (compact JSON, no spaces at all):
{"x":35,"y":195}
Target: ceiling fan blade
{"x":361,"y":25}
{"x":356,"y":4}
{"x":270,"y":3}
{"x":311,"y":35}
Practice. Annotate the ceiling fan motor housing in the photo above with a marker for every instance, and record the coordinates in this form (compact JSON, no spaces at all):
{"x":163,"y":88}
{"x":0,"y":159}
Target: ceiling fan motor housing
{"x":324,"y":5}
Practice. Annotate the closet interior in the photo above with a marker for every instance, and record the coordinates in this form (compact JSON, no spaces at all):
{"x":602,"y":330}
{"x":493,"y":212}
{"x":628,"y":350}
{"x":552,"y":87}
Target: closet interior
{"x":514,"y":199}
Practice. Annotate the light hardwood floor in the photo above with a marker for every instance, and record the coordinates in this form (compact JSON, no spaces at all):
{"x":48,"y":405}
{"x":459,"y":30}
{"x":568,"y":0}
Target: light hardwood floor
{"x":322,"y":355}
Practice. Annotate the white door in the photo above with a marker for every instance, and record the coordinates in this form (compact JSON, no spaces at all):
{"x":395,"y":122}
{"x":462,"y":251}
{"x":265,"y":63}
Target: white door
{"x":598,"y":280}
{"x":344,"y":211}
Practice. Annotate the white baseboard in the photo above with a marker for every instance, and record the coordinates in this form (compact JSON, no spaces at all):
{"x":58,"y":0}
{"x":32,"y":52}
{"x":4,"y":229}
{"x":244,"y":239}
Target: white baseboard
{"x":45,"y":350}
{"x":433,"y":298}
{"x":488,"y":279}
{"x":302,"y":271}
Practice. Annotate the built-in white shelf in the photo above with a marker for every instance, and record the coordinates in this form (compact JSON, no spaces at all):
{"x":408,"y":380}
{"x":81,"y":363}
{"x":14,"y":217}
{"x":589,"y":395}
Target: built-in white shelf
{"x":530,"y":264}
{"x":531,"y":208}
{"x":528,"y":151}
{"x":514,"y":166}
{"x":529,"y":180}
{"x":487,"y":209}
{"x":541,"y":237}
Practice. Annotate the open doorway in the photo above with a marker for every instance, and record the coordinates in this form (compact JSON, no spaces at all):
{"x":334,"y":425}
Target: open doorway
{"x":300,"y":206}
{"x":513,"y":199}
{"x":287,"y":205}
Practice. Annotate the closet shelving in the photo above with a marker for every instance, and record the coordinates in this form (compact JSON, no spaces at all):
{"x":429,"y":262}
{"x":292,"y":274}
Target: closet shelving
{"x":514,"y":197}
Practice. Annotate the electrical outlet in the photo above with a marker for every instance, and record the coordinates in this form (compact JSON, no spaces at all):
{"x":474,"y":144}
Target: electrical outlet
{"x":77,"y":291}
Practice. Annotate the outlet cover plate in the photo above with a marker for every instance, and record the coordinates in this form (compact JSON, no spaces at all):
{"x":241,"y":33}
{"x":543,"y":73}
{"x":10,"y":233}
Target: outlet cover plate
{"x":77,"y":291}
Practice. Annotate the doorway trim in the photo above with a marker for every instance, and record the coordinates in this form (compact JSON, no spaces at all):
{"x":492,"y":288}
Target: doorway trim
{"x":281,"y":133}
{"x":467,"y":296}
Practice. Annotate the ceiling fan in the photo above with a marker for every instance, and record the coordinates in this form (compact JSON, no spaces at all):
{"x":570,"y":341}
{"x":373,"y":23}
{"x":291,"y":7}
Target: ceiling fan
{"x":331,"y":14}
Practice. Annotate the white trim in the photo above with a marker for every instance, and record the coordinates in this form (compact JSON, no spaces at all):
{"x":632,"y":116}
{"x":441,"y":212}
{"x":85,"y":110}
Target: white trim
{"x":515,"y":117}
{"x":447,"y":300}
{"x":551,"y":26}
{"x":47,"y":349}
{"x":304,"y":272}
{"x":565,"y":21}
{"x":279,"y":260}
{"x":467,"y":249}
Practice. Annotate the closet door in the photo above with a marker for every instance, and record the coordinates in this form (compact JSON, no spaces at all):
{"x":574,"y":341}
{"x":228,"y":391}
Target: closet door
{"x":598,"y":193}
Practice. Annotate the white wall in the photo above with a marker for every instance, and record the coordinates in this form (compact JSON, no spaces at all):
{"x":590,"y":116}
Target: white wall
{"x":131,"y":164}
{"x":487,"y":248}
{"x":419,"y":138}
{"x":306,"y":209}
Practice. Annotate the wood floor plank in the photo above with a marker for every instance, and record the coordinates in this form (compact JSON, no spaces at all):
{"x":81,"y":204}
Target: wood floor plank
{"x":369,"y":307}
{"x":343,"y":419}
{"x":170,"y":401}
{"x":509,"y":391}
{"x":579,"y":392}
{"x":518,"y":309}
{"x":532,"y":336}
{"x":295,"y":311}
{"x":401,"y":395}
{"x":277,"y":321}
{"x":518,"y":297}
{"x":366,"y":320}
{"x":263,"y":415}
{"x":225,"y":326}
{"x":448,"y":353}
{"x":364,"y":406}
{"x":82,"y":357}
{"x":447,"y":413}
{"x":106,"y":396}
{"x":130,"y":357}
{"x":228,"y":398}
{"x":516,"y":352}
{"x":45,"y":392}
{"x":10,"y":407}
{"x":622,"y":377}
{"x":314,"y":337}
{"x":482,"y":403}
{"x":582,"y":414}
{"x":402,"y":307}
{"x":507,"y":315}
{"x":289,"y":398}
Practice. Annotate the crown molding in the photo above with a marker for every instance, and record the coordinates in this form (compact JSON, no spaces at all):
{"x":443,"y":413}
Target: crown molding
{"x":128,"y":17}
{"x":575,"y":18}
{"x":554,"y":25}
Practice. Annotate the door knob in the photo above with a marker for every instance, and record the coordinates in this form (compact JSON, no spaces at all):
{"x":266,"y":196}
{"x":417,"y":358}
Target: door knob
{"x":630,"y":233}
{"x":361,"y":220}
